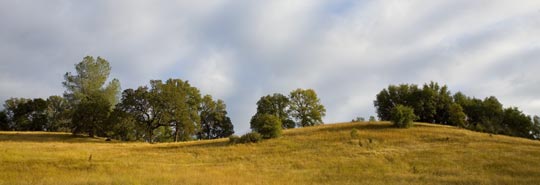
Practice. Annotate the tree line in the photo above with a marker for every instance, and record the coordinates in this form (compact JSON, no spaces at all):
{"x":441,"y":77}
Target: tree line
{"x":170,"y":110}
{"x":433,"y":103}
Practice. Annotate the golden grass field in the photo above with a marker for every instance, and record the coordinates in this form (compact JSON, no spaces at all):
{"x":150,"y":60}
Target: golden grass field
{"x":424,"y":154}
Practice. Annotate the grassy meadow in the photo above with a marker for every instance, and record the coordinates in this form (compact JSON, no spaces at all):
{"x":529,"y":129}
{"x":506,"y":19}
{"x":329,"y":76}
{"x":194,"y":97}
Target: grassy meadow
{"x":326,"y":154}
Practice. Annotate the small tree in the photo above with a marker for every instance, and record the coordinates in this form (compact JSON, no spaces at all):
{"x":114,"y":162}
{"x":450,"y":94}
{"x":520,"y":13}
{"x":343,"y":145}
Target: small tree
{"x":306,"y":107}
{"x":372,"y":119}
{"x":402,"y":116}
{"x":269,"y":126}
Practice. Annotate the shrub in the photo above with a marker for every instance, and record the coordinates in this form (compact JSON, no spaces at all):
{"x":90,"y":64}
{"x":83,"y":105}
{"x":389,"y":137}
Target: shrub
{"x":252,"y":137}
{"x":233,"y":139}
{"x":402,"y":116}
{"x":354,"y":134}
{"x":372,"y":119}
{"x":269,"y":126}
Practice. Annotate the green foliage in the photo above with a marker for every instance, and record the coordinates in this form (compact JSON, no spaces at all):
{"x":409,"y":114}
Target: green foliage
{"x":372,"y":119}
{"x":91,"y":116}
{"x":214,"y":120}
{"x":58,"y":111}
{"x":174,"y":103}
{"x":278,"y":105}
{"x":90,"y":79}
{"x":87,"y":88}
{"x":124,"y":126}
{"x":354,"y":134}
{"x":403,"y":116}
{"x":179,"y":102}
{"x":358,"y":119}
{"x":431,"y":103}
{"x":306,"y":107}
{"x":516,"y":123}
{"x":457,"y":116}
{"x":234,"y":139}
{"x":4,"y":121}
{"x":26,"y":114}
{"x":269,"y":126}
{"x":252,"y":137}
{"x":536,"y":127}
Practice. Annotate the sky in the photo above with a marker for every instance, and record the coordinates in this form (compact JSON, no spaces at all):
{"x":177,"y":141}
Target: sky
{"x":238,"y":51}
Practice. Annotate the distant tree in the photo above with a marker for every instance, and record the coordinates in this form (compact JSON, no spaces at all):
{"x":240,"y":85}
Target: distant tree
{"x":214,"y":120}
{"x":268,"y":125}
{"x":306,"y":107}
{"x":403,"y":116}
{"x":431,"y":103}
{"x":57,"y":114}
{"x":91,"y":116}
{"x":536,"y":127}
{"x":492,"y":115}
{"x":173,"y":105}
{"x":144,"y":107}
{"x":90,"y":78}
{"x":457,"y":116}
{"x":516,"y":123}
{"x":124,"y":126}
{"x":276,"y":104}
{"x":372,"y":119}
{"x":180,"y":104}
{"x":27,"y":114}
{"x":11,"y":108}
{"x":390,"y":97}
{"x":359,"y":119}
{"x":4,"y":121}
{"x":88,"y":86}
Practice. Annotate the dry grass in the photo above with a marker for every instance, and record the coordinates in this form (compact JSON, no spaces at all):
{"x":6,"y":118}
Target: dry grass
{"x":424,"y":154}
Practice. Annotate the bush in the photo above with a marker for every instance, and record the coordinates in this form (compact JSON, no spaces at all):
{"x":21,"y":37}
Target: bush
{"x":269,"y":126}
{"x":402,"y":116}
{"x":233,"y":139}
{"x":354,"y":134}
{"x":252,"y":137}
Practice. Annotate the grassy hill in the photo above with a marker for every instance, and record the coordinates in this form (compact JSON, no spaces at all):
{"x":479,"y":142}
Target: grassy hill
{"x":424,"y":154}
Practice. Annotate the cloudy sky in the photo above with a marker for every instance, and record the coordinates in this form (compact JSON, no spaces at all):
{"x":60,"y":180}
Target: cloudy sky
{"x":240,"y":50}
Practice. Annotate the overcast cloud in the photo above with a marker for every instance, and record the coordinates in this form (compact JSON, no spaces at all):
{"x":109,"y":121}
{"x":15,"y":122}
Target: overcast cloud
{"x":241,"y":50}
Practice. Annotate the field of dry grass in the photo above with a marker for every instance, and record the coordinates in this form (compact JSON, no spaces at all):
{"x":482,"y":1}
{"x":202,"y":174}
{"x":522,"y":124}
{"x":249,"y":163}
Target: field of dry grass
{"x":424,"y":154}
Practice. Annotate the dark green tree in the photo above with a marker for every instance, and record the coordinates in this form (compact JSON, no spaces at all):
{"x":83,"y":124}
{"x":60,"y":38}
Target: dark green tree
{"x":515,"y":123}
{"x":27,"y":114}
{"x":457,"y":116}
{"x":124,"y":126}
{"x":57,"y":114}
{"x":11,"y":107}
{"x":268,"y":125}
{"x":276,"y":104}
{"x":4,"y":121}
{"x":91,"y":116}
{"x":403,"y":116}
{"x":306,"y":107}
{"x":214,"y":120}
{"x":180,"y":103}
{"x":88,"y":86}
{"x":144,"y":107}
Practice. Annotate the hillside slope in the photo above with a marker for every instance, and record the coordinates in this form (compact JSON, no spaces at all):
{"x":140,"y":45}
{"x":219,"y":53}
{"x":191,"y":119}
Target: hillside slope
{"x":424,"y":154}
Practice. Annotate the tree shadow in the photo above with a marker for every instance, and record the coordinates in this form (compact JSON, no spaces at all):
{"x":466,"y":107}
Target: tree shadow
{"x":47,"y":137}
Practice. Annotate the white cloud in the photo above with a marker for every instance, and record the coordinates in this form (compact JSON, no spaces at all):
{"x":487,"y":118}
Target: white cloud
{"x":238,"y":51}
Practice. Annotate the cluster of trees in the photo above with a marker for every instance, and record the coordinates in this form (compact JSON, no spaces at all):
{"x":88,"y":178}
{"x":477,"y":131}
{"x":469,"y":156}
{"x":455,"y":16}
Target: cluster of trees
{"x":166,"y":111}
{"x":275,"y":112}
{"x":435,"y":104}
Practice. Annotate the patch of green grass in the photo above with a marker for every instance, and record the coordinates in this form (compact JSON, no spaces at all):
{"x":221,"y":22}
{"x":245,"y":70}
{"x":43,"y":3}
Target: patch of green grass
{"x":423,"y":154}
